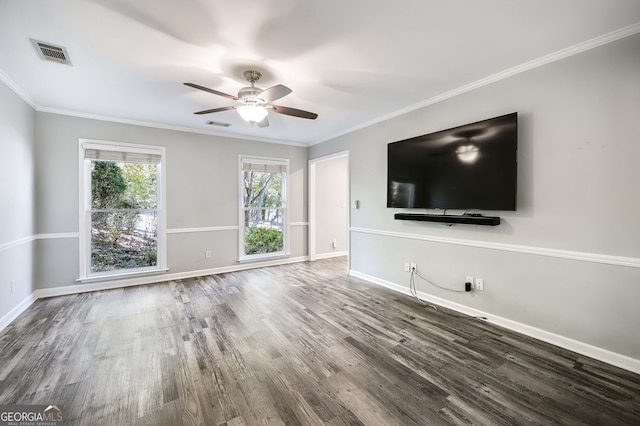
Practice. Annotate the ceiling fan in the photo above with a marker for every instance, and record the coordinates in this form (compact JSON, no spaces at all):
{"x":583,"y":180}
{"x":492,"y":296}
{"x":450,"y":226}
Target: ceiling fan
{"x":256,"y":103}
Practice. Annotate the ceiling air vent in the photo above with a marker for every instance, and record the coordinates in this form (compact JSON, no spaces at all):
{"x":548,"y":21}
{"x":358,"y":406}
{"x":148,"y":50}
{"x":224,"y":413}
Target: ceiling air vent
{"x":52,"y":52}
{"x":218,"y":123}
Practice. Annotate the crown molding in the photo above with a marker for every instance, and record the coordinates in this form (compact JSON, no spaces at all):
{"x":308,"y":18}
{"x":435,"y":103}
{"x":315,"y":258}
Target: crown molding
{"x":17,"y":89}
{"x":155,"y":125}
{"x":510,"y":72}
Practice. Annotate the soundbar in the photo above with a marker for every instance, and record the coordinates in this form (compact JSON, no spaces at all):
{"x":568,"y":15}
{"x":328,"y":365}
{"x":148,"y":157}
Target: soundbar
{"x":470,"y":219}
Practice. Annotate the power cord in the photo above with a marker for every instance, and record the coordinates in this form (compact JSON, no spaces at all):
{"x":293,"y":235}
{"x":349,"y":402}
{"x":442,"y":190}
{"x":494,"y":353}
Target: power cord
{"x":434,"y":284}
{"x":414,"y":293}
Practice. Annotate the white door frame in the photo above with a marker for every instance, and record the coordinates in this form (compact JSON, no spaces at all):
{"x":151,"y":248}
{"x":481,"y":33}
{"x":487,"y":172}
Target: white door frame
{"x":312,"y":202}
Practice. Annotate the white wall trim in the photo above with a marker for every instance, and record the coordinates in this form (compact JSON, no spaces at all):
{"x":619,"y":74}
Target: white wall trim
{"x":202,"y":229}
{"x":299,"y":224}
{"x":17,"y":89}
{"x":331,"y":254}
{"x":556,"y":56}
{"x":332,"y":156}
{"x":155,"y":279}
{"x":155,"y":125}
{"x":25,"y":240}
{"x":218,"y":228}
{"x":17,"y":310}
{"x":544,"y":60}
{"x":57,"y":235}
{"x":16,"y":243}
{"x":604,"y":355}
{"x":130,"y":282}
{"x":630,"y":262}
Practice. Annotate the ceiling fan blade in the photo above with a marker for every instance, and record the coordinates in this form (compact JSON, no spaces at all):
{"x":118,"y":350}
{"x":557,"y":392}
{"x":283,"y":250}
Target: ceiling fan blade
{"x":209,"y":111}
{"x":275,"y":92}
{"x":215,"y":92}
{"x":264,"y":122}
{"x":294,"y":112}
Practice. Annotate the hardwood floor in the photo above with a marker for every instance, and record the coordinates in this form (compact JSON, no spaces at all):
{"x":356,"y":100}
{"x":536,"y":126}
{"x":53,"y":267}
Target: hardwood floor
{"x":301,"y":344}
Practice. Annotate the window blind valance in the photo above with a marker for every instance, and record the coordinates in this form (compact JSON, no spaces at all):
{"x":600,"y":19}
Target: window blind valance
{"x":122,"y":156}
{"x":121,"y":152}
{"x":264,"y":165}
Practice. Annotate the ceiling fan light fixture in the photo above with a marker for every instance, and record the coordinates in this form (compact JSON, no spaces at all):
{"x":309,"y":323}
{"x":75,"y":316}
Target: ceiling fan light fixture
{"x":252,"y":114}
{"x":256,"y":102}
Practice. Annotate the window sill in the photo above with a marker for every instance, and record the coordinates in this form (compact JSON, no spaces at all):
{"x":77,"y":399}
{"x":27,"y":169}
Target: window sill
{"x":122,"y":275}
{"x":263,"y":257}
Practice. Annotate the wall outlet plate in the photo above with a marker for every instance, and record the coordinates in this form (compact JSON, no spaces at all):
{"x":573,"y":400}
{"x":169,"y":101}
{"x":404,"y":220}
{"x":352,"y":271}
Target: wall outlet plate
{"x":406,"y":267}
{"x":479,"y":284}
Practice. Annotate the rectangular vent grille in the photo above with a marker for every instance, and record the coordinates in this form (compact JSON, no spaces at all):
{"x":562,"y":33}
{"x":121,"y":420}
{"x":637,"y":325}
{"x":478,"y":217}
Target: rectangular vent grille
{"x":52,"y":52}
{"x":218,"y":123}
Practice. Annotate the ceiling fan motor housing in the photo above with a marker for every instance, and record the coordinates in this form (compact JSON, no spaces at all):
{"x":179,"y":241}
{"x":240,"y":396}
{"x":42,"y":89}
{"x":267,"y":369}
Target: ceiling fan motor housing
{"x":250,"y":94}
{"x":252,"y":76}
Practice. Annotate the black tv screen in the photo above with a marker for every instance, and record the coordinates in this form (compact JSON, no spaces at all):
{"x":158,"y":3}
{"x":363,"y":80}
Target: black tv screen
{"x":468,"y":167}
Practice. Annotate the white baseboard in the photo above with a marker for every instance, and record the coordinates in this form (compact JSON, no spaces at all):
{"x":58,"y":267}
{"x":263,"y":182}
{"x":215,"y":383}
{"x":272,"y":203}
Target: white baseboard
{"x":619,"y":360}
{"x":16,"y":311}
{"x":613,"y":358}
{"x":130,"y":282}
{"x":331,"y":254}
{"x":153,"y":279}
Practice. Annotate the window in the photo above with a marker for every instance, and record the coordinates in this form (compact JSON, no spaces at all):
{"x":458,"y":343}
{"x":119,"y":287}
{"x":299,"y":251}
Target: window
{"x":263,"y":183}
{"x":122,"y":214}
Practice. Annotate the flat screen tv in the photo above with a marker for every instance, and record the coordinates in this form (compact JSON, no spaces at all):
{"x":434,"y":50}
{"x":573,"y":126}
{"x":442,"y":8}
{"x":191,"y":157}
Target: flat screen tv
{"x":471,"y":167}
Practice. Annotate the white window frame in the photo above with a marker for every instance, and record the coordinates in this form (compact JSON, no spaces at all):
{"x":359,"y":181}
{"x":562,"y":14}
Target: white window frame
{"x":85,"y":205}
{"x":268,"y":161}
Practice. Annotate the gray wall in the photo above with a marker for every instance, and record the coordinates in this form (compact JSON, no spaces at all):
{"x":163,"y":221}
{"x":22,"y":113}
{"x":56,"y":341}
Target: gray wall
{"x":579,"y":145}
{"x":16,"y":199}
{"x":332,"y":205}
{"x":202,"y":192}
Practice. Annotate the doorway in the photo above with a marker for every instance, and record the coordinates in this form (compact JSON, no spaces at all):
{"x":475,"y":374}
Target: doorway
{"x":329,"y":206}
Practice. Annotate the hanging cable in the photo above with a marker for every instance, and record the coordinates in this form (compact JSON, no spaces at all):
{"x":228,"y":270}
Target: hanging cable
{"x":414,"y":293}
{"x":436,"y":285}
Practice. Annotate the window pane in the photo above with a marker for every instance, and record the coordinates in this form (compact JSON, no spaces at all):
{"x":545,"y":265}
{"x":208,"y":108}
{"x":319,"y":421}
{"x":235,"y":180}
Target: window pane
{"x":263,"y":189}
{"x":107,"y":185}
{"x":263,"y":231}
{"x":263,"y":185}
{"x":123,"y":240}
{"x":123,"y":185}
{"x":123,"y":216}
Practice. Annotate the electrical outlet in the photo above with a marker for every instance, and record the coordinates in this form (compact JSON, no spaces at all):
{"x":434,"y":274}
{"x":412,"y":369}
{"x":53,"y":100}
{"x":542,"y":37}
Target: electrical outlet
{"x":413,"y":267}
{"x":479,"y":284}
{"x":469,"y":280}
{"x":406,"y":267}
{"x":207,"y":254}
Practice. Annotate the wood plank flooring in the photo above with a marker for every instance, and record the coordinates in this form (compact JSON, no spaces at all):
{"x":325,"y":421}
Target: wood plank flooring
{"x":301,"y":344}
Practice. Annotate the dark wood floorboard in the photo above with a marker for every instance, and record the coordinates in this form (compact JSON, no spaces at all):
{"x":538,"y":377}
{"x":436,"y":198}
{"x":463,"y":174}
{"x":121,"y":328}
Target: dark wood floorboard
{"x":301,"y":344}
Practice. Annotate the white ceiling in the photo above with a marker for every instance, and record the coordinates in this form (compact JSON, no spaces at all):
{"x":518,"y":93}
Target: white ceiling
{"x":353,"y":62}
